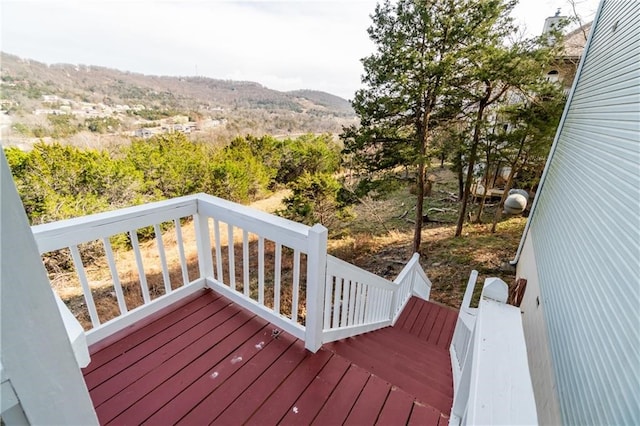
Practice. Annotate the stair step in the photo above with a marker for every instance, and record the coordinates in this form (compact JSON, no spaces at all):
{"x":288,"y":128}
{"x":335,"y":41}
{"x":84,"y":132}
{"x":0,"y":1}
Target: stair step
{"x":420,"y":368}
{"x":404,"y":341}
{"x":432,"y":390}
{"x":428,"y":359}
{"x":413,"y":355}
{"x":428,"y":321}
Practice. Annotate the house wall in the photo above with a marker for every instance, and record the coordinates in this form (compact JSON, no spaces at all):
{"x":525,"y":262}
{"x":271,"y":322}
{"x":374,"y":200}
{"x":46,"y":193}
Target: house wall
{"x":36,"y":355}
{"x":584,"y":235}
{"x":535,"y":333}
{"x":566,"y":69}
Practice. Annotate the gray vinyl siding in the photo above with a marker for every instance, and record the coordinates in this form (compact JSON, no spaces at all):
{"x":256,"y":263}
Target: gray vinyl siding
{"x":585,"y":230}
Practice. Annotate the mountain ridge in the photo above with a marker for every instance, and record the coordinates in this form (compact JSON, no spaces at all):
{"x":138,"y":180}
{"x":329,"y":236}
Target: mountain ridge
{"x":245,"y":105}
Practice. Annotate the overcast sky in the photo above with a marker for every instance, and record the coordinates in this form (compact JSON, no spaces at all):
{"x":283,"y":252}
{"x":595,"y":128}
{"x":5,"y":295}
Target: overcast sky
{"x":284,"y":45}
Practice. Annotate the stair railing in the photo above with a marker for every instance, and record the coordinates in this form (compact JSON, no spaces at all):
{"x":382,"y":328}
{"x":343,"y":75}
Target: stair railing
{"x":357,"y":301}
{"x":492,"y":384}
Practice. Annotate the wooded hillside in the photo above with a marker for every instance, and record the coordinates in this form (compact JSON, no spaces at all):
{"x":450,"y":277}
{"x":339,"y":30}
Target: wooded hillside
{"x":30,"y":90}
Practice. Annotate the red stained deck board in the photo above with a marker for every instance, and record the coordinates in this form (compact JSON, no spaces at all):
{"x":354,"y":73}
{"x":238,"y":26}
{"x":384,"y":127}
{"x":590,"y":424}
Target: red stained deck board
{"x":443,"y":420}
{"x":161,"y":372}
{"x":223,"y":356}
{"x":415,"y":357}
{"x":368,"y":406}
{"x":282,"y":399}
{"x":438,"y":324}
{"x":127,"y":339}
{"x":428,"y":324}
{"x":423,"y":415}
{"x":420,"y":321}
{"x":344,"y":396}
{"x":401,"y":340}
{"x":427,"y":320}
{"x":236,"y":328}
{"x":213,"y":328}
{"x":307,"y":406}
{"x":122,"y":360}
{"x":409,"y":314}
{"x":380,"y":358}
{"x":214,"y":403}
{"x":422,"y":385}
{"x":444,"y":341}
{"x":269,"y":382}
{"x":215,"y":371}
{"x":397,"y":408}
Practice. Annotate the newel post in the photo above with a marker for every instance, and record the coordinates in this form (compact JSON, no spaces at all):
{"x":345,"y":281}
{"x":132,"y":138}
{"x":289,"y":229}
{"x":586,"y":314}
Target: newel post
{"x":495,"y":289}
{"x":316,"y":272}
{"x":203,"y":242}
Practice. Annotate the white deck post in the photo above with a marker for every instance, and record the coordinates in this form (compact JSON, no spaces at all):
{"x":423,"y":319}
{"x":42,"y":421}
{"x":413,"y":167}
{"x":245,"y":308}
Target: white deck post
{"x":203,"y":242}
{"x":316,"y":271}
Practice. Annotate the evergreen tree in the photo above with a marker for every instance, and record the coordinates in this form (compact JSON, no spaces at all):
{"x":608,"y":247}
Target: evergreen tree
{"x":502,"y":71}
{"x":534,"y":122}
{"x":421,"y":60}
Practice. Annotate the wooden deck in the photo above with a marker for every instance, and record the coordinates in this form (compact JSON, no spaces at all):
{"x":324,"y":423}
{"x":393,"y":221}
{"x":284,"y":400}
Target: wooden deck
{"x":205,"y":360}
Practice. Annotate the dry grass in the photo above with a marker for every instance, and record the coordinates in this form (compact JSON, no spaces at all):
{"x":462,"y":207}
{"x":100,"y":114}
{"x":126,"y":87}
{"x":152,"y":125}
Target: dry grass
{"x":382,"y":236}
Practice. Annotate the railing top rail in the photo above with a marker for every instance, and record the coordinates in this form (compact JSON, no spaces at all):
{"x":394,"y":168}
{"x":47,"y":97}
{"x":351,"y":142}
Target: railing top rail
{"x":502,"y":392}
{"x":492,"y":384}
{"x":63,"y":233}
{"x":468,"y":293}
{"x":258,"y":215}
{"x":407,"y":268}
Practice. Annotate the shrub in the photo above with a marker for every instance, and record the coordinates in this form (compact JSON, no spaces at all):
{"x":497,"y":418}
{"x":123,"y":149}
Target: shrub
{"x":57,"y":182}
{"x":308,"y":153}
{"x":170,"y":164}
{"x":316,"y":198}
{"x":239,"y":175}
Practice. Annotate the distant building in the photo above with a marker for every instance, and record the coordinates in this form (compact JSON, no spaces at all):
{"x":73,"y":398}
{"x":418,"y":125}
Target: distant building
{"x":143,"y":133}
{"x":563,"y":70}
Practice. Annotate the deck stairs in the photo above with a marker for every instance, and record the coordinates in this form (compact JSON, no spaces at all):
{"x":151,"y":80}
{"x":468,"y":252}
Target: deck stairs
{"x":413,"y":354}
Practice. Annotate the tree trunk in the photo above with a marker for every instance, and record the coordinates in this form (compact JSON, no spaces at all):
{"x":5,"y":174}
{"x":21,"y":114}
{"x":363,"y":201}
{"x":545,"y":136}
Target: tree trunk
{"x":422,"y":130}
{"x":472,"y":160}
{"x":483,"y":199}
{"x":495,"y":175}
{"x":460,"y":176}
{"x":478,"y":218}
{"x":507,"y":188}
{"x":417,"y":231}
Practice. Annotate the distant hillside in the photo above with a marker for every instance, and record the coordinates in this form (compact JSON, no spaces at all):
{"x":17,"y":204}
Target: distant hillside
{"x":246,"y":107}
{"x":325,"y":99}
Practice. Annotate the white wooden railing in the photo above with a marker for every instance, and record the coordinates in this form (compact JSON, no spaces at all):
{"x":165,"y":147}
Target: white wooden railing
{"x":357,"y":301}
{"x":411,"y":281}
{"x":460,"y":343}
{"x":488,"y":352}
{"x":71,"y":234}
{"x":265,"y":243}
{"x":249,"y":256}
